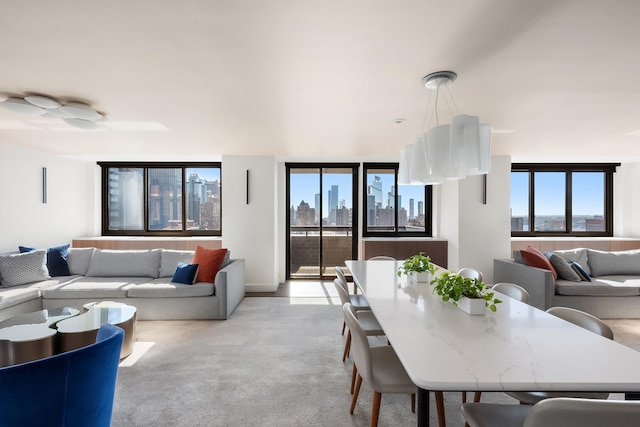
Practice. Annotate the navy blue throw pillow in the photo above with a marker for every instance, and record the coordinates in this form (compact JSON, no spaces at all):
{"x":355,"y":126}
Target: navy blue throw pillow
{"x":185,"y":273}
{"x":56,"y":259}
{"x":580,"y":271}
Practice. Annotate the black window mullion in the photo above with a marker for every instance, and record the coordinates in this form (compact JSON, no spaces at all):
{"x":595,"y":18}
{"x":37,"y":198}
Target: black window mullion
{"x":568,"y":196}
{"x":532,"y":198}
{"x":145,"y":195}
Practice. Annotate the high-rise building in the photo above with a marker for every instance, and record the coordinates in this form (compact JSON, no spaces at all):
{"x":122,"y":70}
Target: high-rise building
{"x":305,"y":215}
{"x":411,"y":201}
{"x":420,"y":208}
{"x":317,"y":208}
{"x":375,"y":189}
{"x":333,"y":203}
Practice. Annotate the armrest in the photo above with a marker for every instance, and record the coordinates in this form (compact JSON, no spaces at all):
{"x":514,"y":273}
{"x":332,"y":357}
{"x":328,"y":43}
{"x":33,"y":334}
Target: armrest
{"x":537,"y":281}
{"x":230,"y":286}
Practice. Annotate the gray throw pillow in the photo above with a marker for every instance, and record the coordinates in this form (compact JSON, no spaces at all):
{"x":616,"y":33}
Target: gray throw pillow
{"x":614,"y":263}
{"x":20,"y":269}
{"x":125,"y":263}
{"x":79,"y":260}
{"x":169,"y":260}
{"x":563,"y":268}
{"x":578,"y":255}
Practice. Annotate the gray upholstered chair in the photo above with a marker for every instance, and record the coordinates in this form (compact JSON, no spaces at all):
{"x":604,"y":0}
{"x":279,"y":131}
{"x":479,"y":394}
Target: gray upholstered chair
{"x":558,"y":412}
{"x":512,"y":290}
{"x":377,"y":366}
{"x":584,"y":320}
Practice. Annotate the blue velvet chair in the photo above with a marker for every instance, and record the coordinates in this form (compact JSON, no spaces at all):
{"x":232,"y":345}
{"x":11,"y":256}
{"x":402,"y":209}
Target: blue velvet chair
{"x":70,"y":389}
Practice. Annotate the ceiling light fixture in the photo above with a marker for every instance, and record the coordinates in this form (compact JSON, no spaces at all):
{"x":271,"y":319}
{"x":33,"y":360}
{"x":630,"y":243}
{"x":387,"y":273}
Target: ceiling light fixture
{"x":450,"y":151}
{"x":75,"y":114}
{"x":19,"y":105}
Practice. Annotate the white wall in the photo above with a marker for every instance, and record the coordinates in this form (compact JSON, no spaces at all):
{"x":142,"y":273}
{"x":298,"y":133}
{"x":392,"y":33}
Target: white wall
{"x":250,"y":231}
{"x":626,"y":208}
{"x":70,"y":208}
{"x":477,"y":233}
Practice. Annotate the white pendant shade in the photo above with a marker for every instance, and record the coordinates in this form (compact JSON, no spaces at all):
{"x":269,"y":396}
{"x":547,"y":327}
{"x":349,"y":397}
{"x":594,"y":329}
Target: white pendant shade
{"x":19,"y":105}
{"x":81,"y":111}
{"x":418,"y":165}
{"x":450,"y":151}
{"x":81,"y":123}
{"x":404,"y":177}
{"x":3,"y":97}
{"x":42,"y":101}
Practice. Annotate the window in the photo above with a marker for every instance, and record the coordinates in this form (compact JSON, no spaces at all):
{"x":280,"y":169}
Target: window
{"x":562,"y":199}
{"x":161,"y":199}
{"x":391,"y":213}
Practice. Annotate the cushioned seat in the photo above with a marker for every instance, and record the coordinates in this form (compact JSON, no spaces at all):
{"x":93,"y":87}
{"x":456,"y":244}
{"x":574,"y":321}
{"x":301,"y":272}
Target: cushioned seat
{"x":16,"y":295}
{"x":597,"y":287}
{"x":94,"y":287}
{"x":163,"y":287}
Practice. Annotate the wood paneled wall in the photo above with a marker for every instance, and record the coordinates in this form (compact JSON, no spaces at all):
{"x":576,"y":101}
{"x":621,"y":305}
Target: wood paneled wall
{"x":601,"y":244}
{"x":177,"y":243}
{"x":400,"y":249}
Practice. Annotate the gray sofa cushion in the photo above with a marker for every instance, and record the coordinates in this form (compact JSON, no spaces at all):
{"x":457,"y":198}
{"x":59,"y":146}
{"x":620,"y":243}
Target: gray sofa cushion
{"x":79,"y":260}
{"x":614,"y":263}
{"x":112,"y":263}
{"x":164,"y":288}
{"x":564,"y":269}
{"x":599,"y":287}
{"x":578,"y":255}
{"x":93,"y":287}
{"x":28,"y":267}
{"x":169,"y":260}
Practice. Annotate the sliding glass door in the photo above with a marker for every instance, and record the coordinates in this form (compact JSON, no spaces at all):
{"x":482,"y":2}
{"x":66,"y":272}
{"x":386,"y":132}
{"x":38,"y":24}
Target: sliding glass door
{"x":321,"y":218}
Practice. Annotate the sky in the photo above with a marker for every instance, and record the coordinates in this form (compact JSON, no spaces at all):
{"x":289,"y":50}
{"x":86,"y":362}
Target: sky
{"x":210,"y":174}
{"x":587,"y":193}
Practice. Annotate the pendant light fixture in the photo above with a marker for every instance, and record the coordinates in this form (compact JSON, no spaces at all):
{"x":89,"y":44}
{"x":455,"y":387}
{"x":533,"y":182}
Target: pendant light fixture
{"x":75,"y":114}
{"x":446,"y":151}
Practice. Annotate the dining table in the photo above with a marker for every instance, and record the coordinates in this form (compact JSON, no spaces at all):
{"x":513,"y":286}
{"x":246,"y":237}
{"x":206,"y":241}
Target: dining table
{"x":516,"y":348}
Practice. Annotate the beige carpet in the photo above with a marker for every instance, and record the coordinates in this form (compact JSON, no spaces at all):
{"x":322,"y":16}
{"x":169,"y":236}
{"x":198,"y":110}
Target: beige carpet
{"x":275,"y":362}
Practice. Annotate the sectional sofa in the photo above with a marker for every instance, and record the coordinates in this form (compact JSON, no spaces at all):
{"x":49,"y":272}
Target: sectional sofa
{"x":604,"y":283}
{"x":141,"y":278}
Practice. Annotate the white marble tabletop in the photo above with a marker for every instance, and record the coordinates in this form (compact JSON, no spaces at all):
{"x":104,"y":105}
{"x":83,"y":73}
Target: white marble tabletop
{"x":517,"y":348}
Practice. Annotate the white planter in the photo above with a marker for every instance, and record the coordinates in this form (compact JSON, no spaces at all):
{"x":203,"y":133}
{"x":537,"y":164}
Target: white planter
{"x":423,"y":277}
{"x":474,"y":306}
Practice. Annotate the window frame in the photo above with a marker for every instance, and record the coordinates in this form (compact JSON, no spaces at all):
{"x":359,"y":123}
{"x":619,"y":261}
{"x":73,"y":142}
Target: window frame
{"x":568,"y":169}
{"x":155,"y":165}
{"x":428,"y":209}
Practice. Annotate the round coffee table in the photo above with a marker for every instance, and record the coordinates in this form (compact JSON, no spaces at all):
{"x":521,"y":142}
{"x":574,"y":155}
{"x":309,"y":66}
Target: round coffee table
{"x":82,"y":330}
{"x":30,"y":336}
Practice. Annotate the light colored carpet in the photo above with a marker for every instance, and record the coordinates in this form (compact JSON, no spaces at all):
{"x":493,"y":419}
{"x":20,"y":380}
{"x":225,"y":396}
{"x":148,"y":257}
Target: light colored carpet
{"x":275,"y":362}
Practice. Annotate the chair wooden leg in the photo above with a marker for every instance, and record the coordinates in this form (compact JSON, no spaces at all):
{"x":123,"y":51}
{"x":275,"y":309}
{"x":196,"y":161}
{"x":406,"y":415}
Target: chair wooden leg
{"x":347,"y":347}
{"x":355,"y":394}
{"x":442,"y":422}
{"x":476,"y":396}
{"x":375,"y":410}
{"x":344,"y":325}
{"x":464,"y":397}
{"x":353,"y":378}
{"x":413,"y":403}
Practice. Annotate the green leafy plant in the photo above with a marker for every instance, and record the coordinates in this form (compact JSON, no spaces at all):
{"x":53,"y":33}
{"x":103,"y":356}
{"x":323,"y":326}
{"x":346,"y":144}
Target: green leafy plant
{"x":418,"y":263}
{"x":451,"y":287}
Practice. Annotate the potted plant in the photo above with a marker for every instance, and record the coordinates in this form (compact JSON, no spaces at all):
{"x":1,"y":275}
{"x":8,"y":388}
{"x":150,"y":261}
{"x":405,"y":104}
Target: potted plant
{"x":417,"y":267}
{"x":469,"y":294}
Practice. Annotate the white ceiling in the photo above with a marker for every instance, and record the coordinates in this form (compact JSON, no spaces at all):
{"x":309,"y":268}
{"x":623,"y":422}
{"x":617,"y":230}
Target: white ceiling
{"x":196,"y":79}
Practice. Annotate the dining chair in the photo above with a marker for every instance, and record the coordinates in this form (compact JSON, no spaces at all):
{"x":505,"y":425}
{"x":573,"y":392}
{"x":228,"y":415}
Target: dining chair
{"x":471,"y":273}
{"x":379,"y":367}
{"x":586,"y":321}
{"x":512,"y":290}
{"x":556,"y":412}
{"x":340,"y":275}
{"x":74,"y":388}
